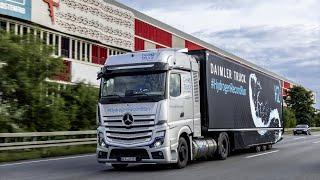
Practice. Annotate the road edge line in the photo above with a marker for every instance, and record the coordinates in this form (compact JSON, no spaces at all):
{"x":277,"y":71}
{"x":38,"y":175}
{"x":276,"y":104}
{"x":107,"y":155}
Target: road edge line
{"x":256,"y":155}
{"x":45,"y":160}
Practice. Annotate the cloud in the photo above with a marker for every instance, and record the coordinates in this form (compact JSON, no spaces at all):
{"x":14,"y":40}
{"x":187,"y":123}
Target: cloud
{"x":217,"y":15}
{"x":292,"y":51}
{"x":282,"y":36}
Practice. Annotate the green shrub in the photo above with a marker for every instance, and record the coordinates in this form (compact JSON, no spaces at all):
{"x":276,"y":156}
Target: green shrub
{"x":289,"y":117}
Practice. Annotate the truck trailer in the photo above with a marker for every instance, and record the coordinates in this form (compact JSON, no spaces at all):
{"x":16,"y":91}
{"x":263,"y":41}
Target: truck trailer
{"x":171,"y":106}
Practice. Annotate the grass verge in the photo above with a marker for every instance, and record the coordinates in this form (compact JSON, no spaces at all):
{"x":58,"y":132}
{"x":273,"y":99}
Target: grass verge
{"x":17,"y":155}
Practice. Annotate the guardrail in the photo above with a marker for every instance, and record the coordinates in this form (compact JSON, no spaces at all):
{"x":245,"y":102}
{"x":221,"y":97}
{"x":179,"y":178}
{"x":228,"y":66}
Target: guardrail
{"x":31,"y":140}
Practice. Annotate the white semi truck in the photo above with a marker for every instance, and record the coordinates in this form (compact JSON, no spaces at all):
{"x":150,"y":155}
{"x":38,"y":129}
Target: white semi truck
{"x":170,"y":106}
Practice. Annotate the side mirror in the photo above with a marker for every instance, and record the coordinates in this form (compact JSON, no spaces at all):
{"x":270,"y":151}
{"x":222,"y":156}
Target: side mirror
{"x":100,"y":73}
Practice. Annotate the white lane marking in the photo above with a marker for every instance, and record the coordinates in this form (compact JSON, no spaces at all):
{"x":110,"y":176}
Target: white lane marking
{"x":299,"y":138}
{"x":317,"y":142}
{"x":45,"y":160}
{"x":316,"y":135}
{"x":248,"y":157}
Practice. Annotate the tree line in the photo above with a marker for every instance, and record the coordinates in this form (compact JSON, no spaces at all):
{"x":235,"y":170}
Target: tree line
{"x":300,"y":108}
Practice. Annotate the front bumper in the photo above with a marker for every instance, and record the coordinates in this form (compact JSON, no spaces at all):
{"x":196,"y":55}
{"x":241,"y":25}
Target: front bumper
{"x":143,"y":155}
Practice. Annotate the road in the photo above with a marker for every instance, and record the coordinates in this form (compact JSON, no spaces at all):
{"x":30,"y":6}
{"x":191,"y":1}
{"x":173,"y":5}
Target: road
{"x":296,"y":157}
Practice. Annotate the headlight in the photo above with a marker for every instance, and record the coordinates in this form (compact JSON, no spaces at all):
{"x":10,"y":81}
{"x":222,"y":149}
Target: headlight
{"x":159,"y":140}
{"x":101,"y":141}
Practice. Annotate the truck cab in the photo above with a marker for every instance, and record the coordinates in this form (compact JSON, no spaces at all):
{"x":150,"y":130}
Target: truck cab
{"x":149,"y":108}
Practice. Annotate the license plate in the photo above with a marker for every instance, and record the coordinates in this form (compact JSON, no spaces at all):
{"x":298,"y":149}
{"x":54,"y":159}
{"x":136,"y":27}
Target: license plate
{"x":128,"y":159}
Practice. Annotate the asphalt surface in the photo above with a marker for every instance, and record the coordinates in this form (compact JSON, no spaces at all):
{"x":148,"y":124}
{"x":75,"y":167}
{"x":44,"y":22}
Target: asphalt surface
{"x":296,"y":157}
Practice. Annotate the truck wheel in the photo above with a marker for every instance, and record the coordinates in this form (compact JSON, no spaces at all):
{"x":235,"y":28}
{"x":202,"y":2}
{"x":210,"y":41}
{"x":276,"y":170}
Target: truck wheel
{"x":223,"y":146}
{"x":119,"y":166}
{"x":263,"y":147}
{"x":183,"y":154}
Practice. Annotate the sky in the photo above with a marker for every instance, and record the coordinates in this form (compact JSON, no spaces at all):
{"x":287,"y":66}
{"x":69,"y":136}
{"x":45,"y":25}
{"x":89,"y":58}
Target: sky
{"x":281,"y":36}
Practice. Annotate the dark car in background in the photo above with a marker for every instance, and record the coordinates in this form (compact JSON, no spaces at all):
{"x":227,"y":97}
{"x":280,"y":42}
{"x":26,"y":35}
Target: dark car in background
{"x":302,"y":129}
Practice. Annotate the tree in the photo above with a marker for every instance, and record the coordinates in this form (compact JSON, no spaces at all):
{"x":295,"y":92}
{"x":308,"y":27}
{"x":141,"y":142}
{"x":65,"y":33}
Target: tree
{"x":317,"y":119}
{"x":81,"y":102}
{"x":300,"y":101}
{"x":28,"y":102}
{"x":289,"y":117}
{"x":26,"y":63}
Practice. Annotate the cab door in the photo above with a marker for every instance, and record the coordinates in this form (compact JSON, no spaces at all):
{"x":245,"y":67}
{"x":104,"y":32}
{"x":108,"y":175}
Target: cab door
{"x":180,"y":98}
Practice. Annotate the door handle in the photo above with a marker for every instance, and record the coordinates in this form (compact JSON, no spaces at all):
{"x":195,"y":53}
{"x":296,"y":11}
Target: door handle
{"x":182,"y":114}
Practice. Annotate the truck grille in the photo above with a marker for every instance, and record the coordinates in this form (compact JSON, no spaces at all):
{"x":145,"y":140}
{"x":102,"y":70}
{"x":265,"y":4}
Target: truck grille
{"x":139,"y":132}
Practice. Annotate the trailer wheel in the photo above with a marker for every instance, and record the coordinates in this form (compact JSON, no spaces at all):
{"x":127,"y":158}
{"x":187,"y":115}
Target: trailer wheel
{"x":258,"y":149}
{"x":183,"y":153}
{"x":263,"y":147}
{"x":119,"y":166}
{"x":269,"y":146}
{"x":223,"y":146}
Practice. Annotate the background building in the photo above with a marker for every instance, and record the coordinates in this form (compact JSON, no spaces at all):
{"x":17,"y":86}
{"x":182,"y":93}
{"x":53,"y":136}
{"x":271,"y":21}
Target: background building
{"x":86,"y":32}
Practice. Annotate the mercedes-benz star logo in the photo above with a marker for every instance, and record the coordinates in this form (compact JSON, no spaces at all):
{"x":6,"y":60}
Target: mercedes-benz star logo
{"x":128,"y":119}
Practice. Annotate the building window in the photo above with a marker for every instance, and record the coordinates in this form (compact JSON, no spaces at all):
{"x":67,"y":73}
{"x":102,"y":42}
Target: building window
{"x":32,"y":31}
{"x":73,"y":50}
{"x":65,"y":45}
{"x":83,"y":53}
{"x":78,"y":50}
{"x":51,"y":39}
{"x":99,"y":54}
{"x":19,"y":29}
{"x":25,"y":30}
{"x":88,"y":52}
{"x":44,"y":37}
{"x":38,"y":34}
{"x":95,"y":54}
{"x":3,"y":25}
{"x":56,"y":46}
{"x":12,"y":27}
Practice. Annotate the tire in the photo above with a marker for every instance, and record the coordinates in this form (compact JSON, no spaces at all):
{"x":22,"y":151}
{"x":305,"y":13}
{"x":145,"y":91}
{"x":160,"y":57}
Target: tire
{"x":183,"y":153}
{"x":257,"y":149}
{"x":269,"y":146}
{"x":263,"y":148}
{"x":223,"y":148}
{"x":119,"y":166}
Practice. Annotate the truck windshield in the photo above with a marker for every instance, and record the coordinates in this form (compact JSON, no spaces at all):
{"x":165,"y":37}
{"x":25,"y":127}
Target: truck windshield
{"x":150,"y":86}
{"x":302,"y":126}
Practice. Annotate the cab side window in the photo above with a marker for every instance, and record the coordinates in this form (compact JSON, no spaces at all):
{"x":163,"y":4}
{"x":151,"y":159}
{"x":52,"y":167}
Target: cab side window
{"x":175,"y":85}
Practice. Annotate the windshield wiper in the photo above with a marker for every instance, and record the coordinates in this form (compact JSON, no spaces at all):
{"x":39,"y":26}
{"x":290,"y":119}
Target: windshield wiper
{"x":143,"y":95}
